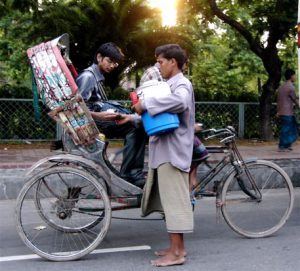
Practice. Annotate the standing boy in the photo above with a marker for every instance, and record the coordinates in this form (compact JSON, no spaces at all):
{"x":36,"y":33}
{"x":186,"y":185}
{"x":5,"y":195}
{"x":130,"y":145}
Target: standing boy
{"x":170,"y":155}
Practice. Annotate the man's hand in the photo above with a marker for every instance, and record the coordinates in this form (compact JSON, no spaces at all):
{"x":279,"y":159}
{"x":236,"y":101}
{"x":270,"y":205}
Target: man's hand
{"x":123,"y":119}
{"x":138,"y":107}
{"x":108,"y":116}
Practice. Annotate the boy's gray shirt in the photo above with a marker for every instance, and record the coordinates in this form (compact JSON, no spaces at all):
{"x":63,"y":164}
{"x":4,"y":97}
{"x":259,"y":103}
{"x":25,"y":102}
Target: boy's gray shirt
{"x":90,"y":84}
{"x":175,"y":147}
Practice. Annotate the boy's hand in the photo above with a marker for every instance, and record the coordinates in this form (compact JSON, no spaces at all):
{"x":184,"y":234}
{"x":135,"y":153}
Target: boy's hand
{"x":138,"y":107}
{"x":105,"y":115}
{"x":198,"y":127}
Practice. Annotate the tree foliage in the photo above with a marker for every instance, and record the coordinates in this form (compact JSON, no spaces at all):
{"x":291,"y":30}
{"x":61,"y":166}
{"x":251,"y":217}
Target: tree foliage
{"x":238,"y":49}
{"x":13,"y":36}
{"x":133,"y":25}
{"x":264,"y":25}
{"x":225,"y":71}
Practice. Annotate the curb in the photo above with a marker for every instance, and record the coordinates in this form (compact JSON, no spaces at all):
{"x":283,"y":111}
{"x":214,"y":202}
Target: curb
{"x":15,"y":165}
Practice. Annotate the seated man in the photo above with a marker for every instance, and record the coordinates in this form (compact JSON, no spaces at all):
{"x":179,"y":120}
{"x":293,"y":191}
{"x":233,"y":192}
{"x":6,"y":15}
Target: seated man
{"x":200,"y":153}
{"x":90,"y":83}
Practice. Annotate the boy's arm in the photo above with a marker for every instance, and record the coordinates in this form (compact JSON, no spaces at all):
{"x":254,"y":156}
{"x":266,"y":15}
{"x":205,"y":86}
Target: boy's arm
{"x":85,"y":83}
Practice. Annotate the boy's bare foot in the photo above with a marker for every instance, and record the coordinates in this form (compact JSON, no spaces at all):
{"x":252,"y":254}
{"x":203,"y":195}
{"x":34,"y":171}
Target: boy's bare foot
{"x":168,"y":261}
{"x":166,"y":251}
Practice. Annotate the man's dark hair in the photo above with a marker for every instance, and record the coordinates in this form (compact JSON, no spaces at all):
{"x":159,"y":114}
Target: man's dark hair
{"x":288,"y":74}
{"x":110,"y":50}
{"x":170,"y":51}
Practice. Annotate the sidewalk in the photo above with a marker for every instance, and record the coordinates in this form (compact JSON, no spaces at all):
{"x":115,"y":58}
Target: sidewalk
{"x":18,"y":157}
{"x":15,"y":161}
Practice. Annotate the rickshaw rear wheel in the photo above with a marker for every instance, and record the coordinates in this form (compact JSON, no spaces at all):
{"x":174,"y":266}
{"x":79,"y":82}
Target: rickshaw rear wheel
{"x":63,"y":213}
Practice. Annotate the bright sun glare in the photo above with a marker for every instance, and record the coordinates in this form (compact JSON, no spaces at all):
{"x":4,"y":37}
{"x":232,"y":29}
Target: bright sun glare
{"x":168,"y":10}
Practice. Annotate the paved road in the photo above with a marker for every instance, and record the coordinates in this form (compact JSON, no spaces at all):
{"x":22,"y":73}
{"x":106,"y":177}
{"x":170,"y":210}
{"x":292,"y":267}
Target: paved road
{"x":212,"y":246}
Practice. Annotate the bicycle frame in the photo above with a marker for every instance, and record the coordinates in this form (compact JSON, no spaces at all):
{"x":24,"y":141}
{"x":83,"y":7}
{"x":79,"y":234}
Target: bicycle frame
{"x":231,"y":157}
{"x":212,"y":173}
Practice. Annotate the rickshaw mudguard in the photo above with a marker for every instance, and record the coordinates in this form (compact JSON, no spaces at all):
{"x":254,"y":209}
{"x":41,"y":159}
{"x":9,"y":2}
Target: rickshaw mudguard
{"x":115,"y":185}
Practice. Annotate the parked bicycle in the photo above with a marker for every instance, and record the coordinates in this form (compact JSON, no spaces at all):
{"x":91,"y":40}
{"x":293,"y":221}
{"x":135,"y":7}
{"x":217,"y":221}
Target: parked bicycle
{"x":248,"y":200}
{"x":255,"y":196}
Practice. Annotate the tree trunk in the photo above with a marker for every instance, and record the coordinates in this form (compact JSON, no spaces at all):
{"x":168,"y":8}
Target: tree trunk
{"x":278,"y":29}
{"x":265,"y":111}
{"x":273,"y":66}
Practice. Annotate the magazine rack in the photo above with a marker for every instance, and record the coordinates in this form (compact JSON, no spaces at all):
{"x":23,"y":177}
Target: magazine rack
{"x":57,"y":88}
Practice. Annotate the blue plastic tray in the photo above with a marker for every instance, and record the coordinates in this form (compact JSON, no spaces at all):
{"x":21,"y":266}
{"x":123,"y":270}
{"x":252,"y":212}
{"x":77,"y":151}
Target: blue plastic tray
{"x":160,"y":123}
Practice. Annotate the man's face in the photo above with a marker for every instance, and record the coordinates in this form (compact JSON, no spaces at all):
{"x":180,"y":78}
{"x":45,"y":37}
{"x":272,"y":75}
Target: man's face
{"x":105,"y":64}
{"x":293,"y":78}
{"x":166,"y":66}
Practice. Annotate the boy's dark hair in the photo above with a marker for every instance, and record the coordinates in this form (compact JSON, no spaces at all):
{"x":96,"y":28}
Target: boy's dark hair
{"x":288,"y":74}
{"x":170,"y":51}
{"x":110,"y":50}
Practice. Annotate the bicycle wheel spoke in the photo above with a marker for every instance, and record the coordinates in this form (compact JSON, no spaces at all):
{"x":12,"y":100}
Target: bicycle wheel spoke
{"x":263,"y":216}
{"x":63,"y":213}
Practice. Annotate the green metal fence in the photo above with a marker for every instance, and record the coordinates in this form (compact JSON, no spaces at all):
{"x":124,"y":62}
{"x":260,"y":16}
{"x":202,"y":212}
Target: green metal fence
{"x":21,"y":120}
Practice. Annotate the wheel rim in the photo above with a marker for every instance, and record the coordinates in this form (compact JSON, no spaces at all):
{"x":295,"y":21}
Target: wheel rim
{"x":256,"y":218}
{"x":63,"y":213}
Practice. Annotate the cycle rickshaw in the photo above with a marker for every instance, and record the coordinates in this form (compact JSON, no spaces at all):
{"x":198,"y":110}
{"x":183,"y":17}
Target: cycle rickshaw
{"x":64,"y":210}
